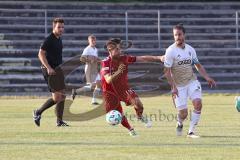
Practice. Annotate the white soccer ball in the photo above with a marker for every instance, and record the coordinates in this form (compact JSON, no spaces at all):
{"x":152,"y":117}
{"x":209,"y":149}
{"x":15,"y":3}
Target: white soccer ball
{"x":114,"y":117}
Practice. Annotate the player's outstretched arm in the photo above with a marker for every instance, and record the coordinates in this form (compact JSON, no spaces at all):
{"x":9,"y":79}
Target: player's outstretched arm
{"x":149,"y":58}
{"x":85,"y":58}
{"x":204,"y":74}
{"x":90,"y":59}
{"x":109,"y":78}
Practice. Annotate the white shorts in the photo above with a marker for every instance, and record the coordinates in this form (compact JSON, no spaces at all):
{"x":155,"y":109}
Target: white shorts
{"x":193,"y":90}
{"x":98,"y":78}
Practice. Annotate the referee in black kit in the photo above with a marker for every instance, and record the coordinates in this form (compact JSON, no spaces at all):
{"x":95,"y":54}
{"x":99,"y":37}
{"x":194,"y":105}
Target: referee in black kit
{"x":50,"y":55}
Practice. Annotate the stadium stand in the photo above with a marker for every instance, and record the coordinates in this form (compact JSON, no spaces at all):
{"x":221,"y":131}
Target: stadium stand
{"x":211,"y":29}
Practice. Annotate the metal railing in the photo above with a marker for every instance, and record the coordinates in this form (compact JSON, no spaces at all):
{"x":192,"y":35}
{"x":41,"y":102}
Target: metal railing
{"x":126,"y":17}
{"x":46,"y":15}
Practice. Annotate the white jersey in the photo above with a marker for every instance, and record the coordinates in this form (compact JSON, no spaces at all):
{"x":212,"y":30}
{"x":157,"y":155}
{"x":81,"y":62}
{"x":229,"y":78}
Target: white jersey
{"x":91,"y":69}
{"x":181,"y":61}
{"x":90,"y":51}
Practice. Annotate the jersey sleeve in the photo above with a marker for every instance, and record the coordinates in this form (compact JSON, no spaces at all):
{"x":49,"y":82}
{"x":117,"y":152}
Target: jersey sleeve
{"x":86,"y":52}
{"x":168,"y":62}
{"x":105,"y":69}
{"x":194,"y":57}
{"x":130,"y":59}
{"x":45,"y":44}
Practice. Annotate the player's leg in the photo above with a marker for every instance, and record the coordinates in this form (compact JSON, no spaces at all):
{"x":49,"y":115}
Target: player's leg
{"x":38,"y":112}
{"x":134,"y":100}
{"x":112,"y":102}
{"x":181,"y":106}
{"x":59,"y":97}
{"x":139,"y":110}
{"x":81,"y":90}
{"x":49,"y":103}
{"x":88,"y":86}
{"x":195,"y":94}
{"x":97,"y":90}
{"x":126,"y":124}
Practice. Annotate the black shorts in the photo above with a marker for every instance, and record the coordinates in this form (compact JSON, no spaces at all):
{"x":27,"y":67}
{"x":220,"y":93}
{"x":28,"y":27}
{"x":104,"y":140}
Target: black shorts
{"x":45,"y":75}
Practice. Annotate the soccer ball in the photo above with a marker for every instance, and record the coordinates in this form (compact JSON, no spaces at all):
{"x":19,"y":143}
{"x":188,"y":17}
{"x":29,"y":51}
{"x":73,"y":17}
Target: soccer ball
{"x":114,"y":117}
{"x":237,"y":105}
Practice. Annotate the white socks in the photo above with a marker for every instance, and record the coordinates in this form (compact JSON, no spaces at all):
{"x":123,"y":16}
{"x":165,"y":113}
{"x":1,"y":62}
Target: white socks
{"x":194,"y":120}
{"x":96,"y":92}
{"x":179,"y":120}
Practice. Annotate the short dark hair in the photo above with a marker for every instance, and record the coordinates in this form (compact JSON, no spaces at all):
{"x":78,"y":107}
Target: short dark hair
{"x":112,"y":43}
{"x":115,"y":40}
{"x":57,"y":20}
{"x":179,"y":26}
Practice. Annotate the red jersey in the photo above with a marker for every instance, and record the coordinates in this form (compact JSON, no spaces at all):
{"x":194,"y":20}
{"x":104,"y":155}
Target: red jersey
{"x":120,"y":83}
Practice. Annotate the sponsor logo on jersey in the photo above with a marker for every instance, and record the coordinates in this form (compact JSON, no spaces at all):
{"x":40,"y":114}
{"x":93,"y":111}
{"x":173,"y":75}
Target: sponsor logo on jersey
{"x":186,"y":61}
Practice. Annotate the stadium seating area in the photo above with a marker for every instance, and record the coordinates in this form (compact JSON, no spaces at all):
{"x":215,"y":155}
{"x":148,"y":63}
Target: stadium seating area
{"x":211,"y":29}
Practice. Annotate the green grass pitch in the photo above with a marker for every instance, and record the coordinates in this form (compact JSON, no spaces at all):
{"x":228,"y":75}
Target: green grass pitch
{"x":20,"y":139}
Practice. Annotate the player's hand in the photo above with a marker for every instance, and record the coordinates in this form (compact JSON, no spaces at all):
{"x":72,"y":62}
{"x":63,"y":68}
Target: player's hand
{"x":98,"y":60}
{"x":92,"y":60}
{"x":174,"y":92}
{"x":51,"y":71}
{"x":83,"y":59}
{"x":121,"y":68}
{"x":211,"y":82}
{"x":162,"y":58}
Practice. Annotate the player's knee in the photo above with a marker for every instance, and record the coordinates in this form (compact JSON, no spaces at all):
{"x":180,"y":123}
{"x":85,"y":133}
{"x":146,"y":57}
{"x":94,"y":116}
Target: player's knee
{"x":58,"y":98}
{"x":197,"y":103}
{"x":139,"y":104}
{"x":183,"y":114}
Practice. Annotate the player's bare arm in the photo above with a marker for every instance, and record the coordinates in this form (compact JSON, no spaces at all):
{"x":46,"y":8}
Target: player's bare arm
{"x":85,"y":58}
{"x":109,"y":78}
{"x":204,"y":74}
{"x":149,"y":58}
{"x":90,"y":59}
{"x":168,"y":75}
{"x":96,"y":60}
{"x":43,"y":59}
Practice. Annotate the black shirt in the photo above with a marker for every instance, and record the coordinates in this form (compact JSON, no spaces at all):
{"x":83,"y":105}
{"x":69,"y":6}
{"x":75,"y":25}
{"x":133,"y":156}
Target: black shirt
{"x":53,"y":47}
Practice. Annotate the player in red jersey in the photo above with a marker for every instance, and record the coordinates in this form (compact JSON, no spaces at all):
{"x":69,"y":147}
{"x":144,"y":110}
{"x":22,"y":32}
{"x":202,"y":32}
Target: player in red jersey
{"x":115,"y":86}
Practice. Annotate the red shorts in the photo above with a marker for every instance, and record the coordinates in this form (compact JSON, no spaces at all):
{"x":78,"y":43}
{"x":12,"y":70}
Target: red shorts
{"x":112,"y":101}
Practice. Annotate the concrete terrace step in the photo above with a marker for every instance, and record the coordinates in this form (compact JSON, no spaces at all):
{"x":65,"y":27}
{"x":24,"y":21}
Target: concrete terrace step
{"x":132,"y":5}
{"x":68,"y":27}
{"x":37,"y":87}
{"x":212,"y":68}
{"x":69,"y":52}
{"x":13,"y":61}
{"x":19,"y":69}
{"x":21,"y":79}
{"x":119,"y":21}
{"x":21,"y":44}
{"x":41,"y":20}
{"x":132,"y":36}
{"x":103,"y":42}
